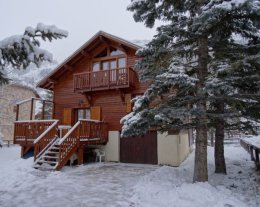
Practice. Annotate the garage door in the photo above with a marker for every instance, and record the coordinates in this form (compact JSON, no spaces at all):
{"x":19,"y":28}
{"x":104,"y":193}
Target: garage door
{"x":139,"y":149}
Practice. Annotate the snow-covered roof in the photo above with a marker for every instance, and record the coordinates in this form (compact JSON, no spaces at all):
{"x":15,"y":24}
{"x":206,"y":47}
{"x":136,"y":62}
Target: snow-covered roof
{"x":44,"y":82}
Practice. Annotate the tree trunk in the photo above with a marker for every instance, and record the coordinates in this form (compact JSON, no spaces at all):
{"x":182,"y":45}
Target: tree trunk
{"x":200,"y":165}
{"x":211,"y":137}
{"x":220,"y":164}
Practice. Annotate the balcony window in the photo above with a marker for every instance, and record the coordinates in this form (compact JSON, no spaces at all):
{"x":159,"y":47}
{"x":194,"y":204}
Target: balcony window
{"x":121,"y":62}
{"x":96,"y":66}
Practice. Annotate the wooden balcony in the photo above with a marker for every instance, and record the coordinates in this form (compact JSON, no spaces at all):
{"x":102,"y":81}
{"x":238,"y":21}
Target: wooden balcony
{"x":104,"y":80}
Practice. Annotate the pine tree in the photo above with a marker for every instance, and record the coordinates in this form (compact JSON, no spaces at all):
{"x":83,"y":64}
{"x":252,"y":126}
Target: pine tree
{"x":19,"y":51}
{"x":233,"y":82}
{"x":183,"y":64}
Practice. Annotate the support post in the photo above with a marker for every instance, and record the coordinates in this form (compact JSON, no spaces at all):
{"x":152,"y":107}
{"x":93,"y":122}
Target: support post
{"x":17,"y":112}
{"x":31,"y":114}
{"x":257,"y":159}
{"x":80,"y":155}
{"x":43,"y":109}
{"x":252,"y":153}
{"x":22,"y":151}
{"x":53,"y":110}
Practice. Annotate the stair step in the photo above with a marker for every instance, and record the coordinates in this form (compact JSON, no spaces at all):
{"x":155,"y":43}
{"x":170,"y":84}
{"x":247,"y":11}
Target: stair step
{"x":54,"y":148}
{"x":54,"y":154}
{"x":51,"y":157}
{"x":44,"y":167}
{"x":47,"y":161}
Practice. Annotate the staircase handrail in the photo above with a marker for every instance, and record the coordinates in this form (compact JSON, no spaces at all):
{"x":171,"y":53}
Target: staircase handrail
{"x":69,"y":133}
{"x":68,"y":145}
{"x":41,"y":143}
{"x":71,"y":141}
{"x":55,"y":122}
{"x":50,"y":144}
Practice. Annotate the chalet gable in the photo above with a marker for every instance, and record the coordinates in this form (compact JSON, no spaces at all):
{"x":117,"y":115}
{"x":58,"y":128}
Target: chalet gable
{"x":101,"y":45}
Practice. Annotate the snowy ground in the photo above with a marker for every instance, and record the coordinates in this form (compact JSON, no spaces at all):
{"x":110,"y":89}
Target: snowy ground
{"x":114,"y":184}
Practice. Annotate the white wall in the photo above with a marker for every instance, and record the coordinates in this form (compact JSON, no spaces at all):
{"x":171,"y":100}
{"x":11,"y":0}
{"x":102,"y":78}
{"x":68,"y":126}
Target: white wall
{"x":172,"y":149}
{"x":112,"y":147}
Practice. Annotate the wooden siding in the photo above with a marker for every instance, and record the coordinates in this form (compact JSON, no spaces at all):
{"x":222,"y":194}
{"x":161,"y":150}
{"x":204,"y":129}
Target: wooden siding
{"x":112,"y":102}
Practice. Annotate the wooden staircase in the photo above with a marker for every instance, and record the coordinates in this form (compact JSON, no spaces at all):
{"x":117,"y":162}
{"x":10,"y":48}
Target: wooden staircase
{"x":50,"y":158}
{"x":52,"y":152}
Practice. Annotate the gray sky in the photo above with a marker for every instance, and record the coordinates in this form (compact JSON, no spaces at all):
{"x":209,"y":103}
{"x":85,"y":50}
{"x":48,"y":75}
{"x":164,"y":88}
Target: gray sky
{"x":81,"y":18}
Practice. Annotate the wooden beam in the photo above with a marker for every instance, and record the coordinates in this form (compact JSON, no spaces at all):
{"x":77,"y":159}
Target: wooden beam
{"x":85,"y":54}
{"x":68,"y":67}
{"x":52,"y":81}
{"x":123,"y":48}
{"x":80,"y":155}
{"x":103,"y":40}
{"x":88,"y":99}
{"x":122,"y":96}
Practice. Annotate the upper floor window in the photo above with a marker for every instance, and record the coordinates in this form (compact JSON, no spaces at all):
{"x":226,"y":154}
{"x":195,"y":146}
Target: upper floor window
{"x":115,"y":51}
{"x":110,"y":51}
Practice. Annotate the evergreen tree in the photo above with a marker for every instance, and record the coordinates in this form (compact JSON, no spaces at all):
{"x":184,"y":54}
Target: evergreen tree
{"x":19,"y":51}
{"x":234,"y":75}
{"x":184,"y":63}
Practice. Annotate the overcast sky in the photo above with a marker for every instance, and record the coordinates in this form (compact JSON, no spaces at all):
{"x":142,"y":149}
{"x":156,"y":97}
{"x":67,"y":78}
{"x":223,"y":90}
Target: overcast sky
{"x":81,"y":18}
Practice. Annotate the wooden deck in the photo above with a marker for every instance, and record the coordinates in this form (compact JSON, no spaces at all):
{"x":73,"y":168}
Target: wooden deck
{"x":41,"y":134}
{"x":104,"y":79}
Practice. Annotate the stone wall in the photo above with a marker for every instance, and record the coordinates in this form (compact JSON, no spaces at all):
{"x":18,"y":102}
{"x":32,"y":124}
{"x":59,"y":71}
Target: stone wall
{"x":9,"y":95}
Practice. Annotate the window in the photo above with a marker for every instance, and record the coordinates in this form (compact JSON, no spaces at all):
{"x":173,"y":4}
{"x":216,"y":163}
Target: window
{"x":122,"y":62}
{"x":96,"y":66}
{"x":105,"y":65}
{"x":103,"y":62}
{"x":115,"y":51}
{"x":83,"y":114}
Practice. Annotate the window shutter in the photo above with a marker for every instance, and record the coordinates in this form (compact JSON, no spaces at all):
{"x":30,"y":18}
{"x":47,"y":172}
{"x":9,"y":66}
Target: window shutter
{"x":95,"y":113}
{"x":67,"y":116}
{"x":128,"y":98}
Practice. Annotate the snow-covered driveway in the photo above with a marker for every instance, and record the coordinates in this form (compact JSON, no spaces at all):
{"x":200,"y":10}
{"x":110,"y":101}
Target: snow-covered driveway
{"x":128,"y":185}
{"x":108,"y":184}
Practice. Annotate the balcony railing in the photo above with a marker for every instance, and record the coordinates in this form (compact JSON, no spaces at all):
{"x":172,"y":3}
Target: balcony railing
{"x":26,"y":132}
{"x":104,"y":79}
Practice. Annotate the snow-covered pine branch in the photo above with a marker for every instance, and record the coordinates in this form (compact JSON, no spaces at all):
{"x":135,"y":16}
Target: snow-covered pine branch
{"x":19,"y":51}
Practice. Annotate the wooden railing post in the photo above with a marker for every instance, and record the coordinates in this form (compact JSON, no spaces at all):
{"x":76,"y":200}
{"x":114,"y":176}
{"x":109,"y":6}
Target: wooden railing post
{"x":128,"y":76}
{"x":31,"y":114}
{"x":78,"y":134}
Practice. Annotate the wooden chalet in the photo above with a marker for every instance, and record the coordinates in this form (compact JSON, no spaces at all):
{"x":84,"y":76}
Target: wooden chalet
{"x":92,"y":91}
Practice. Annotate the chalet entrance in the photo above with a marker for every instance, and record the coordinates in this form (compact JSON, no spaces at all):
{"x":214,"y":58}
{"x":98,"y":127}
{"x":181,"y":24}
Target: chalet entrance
{"x":139,"y":149}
